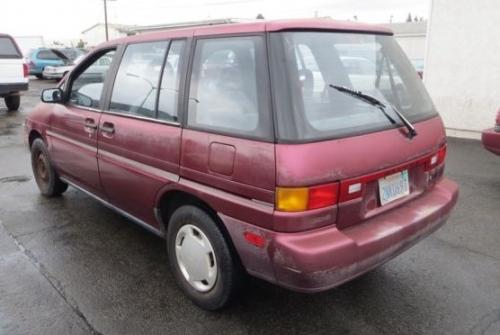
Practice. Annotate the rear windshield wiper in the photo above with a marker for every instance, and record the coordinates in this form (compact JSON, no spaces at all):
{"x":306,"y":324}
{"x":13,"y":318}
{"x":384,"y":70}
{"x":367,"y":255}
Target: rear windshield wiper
{"x":377,"y":103}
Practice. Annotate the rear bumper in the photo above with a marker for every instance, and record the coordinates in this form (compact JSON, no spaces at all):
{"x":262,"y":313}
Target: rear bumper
{"x":318,"y":260}
{"x":491,"y":140}
{"x":6,"y":89}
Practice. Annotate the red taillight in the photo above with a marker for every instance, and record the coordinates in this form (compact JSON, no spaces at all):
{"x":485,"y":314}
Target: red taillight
{"x":323,"y":196}
{"x":26,"y":70}
{"x":436,"y":159}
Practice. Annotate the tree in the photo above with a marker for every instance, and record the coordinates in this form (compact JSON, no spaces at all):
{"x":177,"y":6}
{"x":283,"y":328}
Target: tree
{"x":81,"y":44}
{"x":409,"y":19}
{"x":260,"y":17}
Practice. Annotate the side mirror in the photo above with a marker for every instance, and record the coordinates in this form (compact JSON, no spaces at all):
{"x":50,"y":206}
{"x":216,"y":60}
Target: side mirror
{"x":52,"y":95}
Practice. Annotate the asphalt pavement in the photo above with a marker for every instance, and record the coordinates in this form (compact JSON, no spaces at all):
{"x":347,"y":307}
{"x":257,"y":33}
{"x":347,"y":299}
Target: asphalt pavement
{"x":71,"y":266}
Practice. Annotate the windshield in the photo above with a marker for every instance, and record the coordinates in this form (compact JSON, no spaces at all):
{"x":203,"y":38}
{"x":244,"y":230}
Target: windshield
{"x":309,"y":63}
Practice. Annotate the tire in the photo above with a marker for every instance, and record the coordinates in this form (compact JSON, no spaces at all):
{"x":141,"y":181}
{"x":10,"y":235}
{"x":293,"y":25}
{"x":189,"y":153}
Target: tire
{"x":45,"y":176}
{"x":39,"y":76}
{"x":13,"y":102}
{"x":229,"y":274}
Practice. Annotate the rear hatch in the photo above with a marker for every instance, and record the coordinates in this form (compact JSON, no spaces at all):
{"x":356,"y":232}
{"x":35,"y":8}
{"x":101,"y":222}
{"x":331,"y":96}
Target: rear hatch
{"x":11,"y":61}
{"x":356,"y":139}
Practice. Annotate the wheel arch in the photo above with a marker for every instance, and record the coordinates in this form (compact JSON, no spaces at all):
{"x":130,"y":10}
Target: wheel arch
{"x":33,"y":135}
{"x":172,"y":199}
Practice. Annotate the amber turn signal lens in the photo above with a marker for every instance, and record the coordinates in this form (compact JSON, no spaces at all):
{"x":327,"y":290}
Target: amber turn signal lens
{"x":292,"y":199}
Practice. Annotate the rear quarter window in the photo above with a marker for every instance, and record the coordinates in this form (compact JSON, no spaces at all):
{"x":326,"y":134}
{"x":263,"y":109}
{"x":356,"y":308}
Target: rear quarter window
{"x":228,"y":91}
{"x":8,"y":49}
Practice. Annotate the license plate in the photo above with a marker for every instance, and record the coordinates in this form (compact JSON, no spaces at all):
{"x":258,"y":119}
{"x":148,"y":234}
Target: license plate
{"x":393,"y":187}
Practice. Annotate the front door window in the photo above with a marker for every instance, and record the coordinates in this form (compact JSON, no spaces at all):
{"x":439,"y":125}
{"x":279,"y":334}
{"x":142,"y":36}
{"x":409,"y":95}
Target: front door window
{"x":86,"y":89}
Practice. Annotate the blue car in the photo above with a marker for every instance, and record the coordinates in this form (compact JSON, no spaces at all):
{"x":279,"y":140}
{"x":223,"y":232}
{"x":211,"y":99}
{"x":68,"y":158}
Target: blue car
{"x":42,"y":57}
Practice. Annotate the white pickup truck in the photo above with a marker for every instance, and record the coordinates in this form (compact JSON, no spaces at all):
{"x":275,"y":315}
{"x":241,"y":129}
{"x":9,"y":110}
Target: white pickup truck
{"x":13,"y":72}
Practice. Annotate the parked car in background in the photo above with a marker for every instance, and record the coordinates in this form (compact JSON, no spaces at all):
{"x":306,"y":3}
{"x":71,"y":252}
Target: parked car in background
{"x":72,"y":53}
{"x":220,"y":140}
{"x":491,"y":136}
{"x":43,"y":57}
{"x":58,"y":72}
{"x":13,"y":72}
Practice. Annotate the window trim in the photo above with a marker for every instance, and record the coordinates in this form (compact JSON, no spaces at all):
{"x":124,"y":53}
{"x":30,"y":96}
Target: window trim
{"x":270,"y":137}
{"x":143,"y":118}
{"x":160,"y":78}
{"x":182,"y":76}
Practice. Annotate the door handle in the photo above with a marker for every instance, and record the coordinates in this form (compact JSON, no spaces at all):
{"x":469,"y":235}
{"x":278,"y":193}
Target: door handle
{"x":90,"y":124}
{"x":108,"y":127}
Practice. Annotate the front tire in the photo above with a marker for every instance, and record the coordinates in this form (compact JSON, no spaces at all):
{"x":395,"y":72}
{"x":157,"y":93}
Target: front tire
{"x":201,"y":260}
{"x":13,"y":102}
{"x":46,"y":177}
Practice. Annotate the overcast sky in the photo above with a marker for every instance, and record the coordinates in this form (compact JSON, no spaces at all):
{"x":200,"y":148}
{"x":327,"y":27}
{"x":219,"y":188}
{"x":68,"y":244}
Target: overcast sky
{"x":65,"y":19}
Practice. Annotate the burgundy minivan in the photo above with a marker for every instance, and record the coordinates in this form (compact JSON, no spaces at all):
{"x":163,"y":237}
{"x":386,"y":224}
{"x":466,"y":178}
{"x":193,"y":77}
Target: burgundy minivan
{"x":302,"y":152}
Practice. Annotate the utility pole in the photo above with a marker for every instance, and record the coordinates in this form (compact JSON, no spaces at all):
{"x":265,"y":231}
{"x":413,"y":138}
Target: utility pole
{"x":106,"y":17}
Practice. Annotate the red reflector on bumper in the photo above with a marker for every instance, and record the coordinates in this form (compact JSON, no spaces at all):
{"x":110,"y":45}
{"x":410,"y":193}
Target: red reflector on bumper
{"x":254,"y":239}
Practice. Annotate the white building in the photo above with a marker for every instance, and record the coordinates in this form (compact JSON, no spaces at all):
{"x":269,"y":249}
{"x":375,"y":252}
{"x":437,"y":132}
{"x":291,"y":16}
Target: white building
{"x":462,"y":70}
{"x":96,"y":34}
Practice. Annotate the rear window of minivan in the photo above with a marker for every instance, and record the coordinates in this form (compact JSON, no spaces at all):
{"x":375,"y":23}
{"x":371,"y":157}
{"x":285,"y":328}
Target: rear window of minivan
{"x":8,"y":49}
{"x":305,"y":66}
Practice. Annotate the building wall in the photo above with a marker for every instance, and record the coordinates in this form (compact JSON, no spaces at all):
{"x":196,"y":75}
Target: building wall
{"x":413,"y":46}
{"x":462,"y":70}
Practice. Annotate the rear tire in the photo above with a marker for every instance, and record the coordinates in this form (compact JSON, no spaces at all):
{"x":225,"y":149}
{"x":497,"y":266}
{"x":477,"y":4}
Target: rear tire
{"x":211,"y":275}
{"x":46,"y":177}
{"x":13,"y":102}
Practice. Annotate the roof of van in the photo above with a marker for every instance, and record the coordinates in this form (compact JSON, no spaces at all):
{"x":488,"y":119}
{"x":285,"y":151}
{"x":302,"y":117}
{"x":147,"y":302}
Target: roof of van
{"x":257,"y":27}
